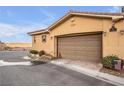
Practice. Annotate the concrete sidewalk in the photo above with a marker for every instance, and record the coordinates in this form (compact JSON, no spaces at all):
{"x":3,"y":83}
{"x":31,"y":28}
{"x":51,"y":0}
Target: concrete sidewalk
{"x":93,"y":73}
{"x":3,"y":63}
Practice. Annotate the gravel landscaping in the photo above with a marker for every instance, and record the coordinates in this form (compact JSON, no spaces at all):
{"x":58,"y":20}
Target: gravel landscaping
{"x":113,"y":72}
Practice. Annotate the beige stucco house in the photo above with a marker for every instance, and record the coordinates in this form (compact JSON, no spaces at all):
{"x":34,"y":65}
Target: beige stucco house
{"x":83,"y":36}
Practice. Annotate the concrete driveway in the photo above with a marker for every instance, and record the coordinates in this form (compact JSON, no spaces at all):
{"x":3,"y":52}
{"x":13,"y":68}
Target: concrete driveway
{"x":43,"y":75}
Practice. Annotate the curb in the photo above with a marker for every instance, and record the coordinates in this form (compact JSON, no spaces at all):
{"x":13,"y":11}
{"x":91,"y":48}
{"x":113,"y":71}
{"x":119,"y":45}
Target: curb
{"x":95,"y":74}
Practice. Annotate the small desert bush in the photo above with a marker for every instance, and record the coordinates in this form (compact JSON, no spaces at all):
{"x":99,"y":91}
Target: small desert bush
{"x":42,"y":52}
{"x":33,"y":51}
{"x":108,"y":61}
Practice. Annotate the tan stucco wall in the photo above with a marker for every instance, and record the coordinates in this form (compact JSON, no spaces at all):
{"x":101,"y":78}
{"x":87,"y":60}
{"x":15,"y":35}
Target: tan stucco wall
{"x":39,"y":45}
{"x":113,"y":42}
{"x":81,"y":24}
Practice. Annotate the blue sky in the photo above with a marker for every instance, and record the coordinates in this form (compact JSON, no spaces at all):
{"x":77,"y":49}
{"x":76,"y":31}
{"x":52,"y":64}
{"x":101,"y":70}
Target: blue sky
{"x":15,"y":22}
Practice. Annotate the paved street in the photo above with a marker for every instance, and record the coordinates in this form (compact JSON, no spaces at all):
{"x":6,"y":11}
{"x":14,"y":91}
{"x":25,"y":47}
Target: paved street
{"x":41,"y":75}
{"x":45,"y":74}
{"x":13,"y":56}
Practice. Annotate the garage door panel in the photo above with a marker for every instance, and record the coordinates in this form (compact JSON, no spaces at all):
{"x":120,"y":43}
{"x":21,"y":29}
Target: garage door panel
{"x":82,"y":58}
{"x":86,"y":48}
{"x":78,"y":48}
{"x":78,"y":42}
{"x":81,"y":54}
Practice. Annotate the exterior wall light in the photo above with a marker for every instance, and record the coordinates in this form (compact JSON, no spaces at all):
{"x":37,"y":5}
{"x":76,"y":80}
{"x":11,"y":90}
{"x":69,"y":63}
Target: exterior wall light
{"x":72,"y":20}
{"x":122,"y":32}
{"x":104,"y":33}
{"x":51,"y":37}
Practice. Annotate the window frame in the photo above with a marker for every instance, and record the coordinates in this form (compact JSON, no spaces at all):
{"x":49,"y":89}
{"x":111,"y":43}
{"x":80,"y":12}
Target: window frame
{"x":44,"y":38}
{"x":34,"y":39}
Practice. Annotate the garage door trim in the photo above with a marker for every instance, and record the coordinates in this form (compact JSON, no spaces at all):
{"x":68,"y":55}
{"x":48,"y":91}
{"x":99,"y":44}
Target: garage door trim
{"x":80,"y":34}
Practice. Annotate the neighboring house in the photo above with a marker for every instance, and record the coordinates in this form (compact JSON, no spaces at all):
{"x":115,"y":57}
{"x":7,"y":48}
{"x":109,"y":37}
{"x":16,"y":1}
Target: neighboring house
{"x":83,"y":36}
{"x":2,"y":46}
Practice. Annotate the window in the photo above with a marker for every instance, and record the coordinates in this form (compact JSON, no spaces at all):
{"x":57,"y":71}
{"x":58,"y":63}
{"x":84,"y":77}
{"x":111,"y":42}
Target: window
{"x":43,"y":38}
{"x":34,"y":39}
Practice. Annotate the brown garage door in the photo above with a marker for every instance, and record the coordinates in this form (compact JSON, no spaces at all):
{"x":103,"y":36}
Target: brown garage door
{"x":84,"y":48}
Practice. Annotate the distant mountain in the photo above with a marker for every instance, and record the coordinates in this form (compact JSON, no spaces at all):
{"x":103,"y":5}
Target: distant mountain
{"x":16,"y":44}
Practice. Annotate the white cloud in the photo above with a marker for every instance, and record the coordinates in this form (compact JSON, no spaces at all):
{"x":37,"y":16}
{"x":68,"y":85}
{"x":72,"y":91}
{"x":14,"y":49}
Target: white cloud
{"x":7,"y":13}
{"x":8,"y":30}
{"x":115,"y":9}
{"x":50,"y":16}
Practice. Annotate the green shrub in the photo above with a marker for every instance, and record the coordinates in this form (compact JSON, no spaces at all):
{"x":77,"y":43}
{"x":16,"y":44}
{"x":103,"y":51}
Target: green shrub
{"x":107,"y":61}
{"x":42,"y":52}
{"x":34,"y":52}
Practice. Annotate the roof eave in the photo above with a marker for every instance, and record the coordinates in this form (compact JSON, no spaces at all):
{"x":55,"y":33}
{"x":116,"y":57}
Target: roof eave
{"x":77,"y":14}
{"x":36,"y":33}
{"x":115,"y":19}
{"x":69,"y":14}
